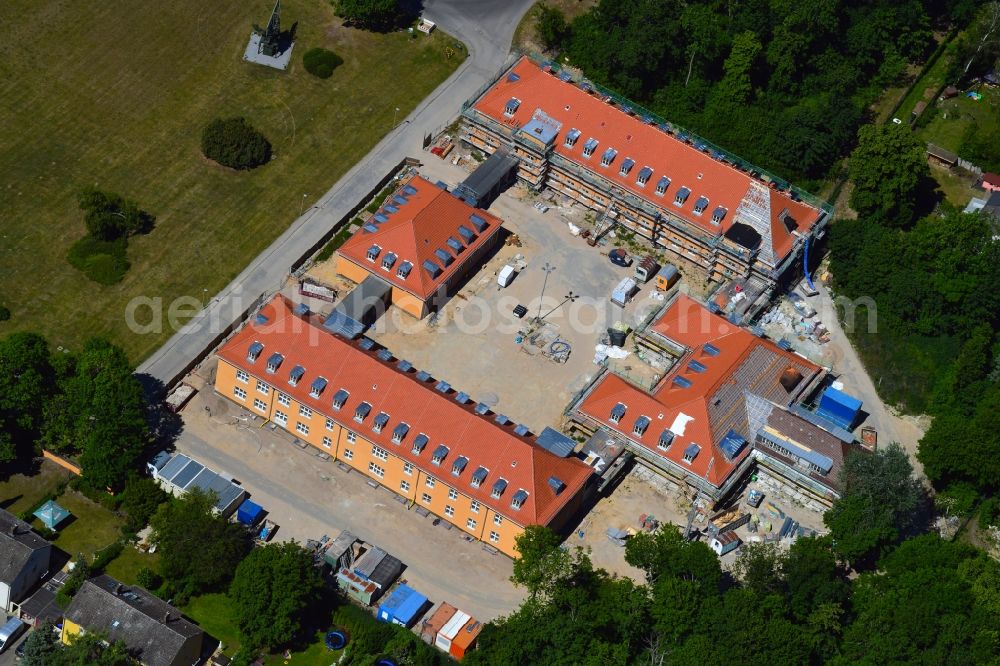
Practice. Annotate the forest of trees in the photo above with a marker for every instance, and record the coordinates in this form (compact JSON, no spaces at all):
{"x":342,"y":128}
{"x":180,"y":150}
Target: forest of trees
{"x":782,"y":84}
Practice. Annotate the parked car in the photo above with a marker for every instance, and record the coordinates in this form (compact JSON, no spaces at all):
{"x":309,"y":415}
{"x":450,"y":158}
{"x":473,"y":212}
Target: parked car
{"x":620,"y":257}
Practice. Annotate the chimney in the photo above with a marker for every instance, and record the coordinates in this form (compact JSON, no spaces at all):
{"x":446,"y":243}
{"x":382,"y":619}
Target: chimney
{"x":166,"y":617}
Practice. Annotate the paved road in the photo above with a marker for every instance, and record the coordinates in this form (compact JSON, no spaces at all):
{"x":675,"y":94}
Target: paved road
{"x":486,"y":27}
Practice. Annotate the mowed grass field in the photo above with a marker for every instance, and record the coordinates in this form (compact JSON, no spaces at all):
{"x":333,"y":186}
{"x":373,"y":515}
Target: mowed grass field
{"x":115,"y":94}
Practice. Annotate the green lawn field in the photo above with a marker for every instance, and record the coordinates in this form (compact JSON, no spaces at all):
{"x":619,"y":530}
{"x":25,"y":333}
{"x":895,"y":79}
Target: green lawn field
{"x":115,"y":94}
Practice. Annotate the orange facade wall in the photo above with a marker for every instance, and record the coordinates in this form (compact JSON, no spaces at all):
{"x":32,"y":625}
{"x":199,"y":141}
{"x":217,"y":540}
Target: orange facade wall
{"x":431,"y":491}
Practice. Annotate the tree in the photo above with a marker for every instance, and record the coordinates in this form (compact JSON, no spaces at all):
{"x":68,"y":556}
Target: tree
{"x":881,"y":502}
{"x":100,"y":412}
{"x":76,"y":578}
{"x":888,"y":170}
{"x":541,"y":562}
{"x":736,"y":87}
{"x":370,"y":14}
{"x":760,"y":567}
{"x":813,"y":579}
{"x":234,"y":143}
{"x":666,"y":552}
{"x":27,"y":379}
{"x":985,"y":37}
{"x":109,"y":216}
{"x":551,"y":25}
{"x":41,"y":646}
{"x":199,"y":551}
{"x":140,"y":500}
{"x":91,"y":649}
{"x":272,"y":590}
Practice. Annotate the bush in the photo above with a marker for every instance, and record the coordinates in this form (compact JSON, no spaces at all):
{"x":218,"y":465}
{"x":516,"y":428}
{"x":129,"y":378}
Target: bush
{"x":147,"y":578}
{"x":109,"y":216}
{"x":234,"y":143}
{"x":103,"y":557}
{"x":103,"y":261}
{"x":4,"y":313}
{"x":140,"y":500}
{"x":338,"y":239}
{"x":321,"y":62}
{"x":989,"y":512}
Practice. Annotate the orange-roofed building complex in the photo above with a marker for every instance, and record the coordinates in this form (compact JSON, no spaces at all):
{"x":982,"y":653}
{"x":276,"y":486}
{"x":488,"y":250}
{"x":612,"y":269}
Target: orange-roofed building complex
{"x":700,"y":205}
{"x":731,"y":400}
{"x":415,"y":435}
{"x":423,"y":242}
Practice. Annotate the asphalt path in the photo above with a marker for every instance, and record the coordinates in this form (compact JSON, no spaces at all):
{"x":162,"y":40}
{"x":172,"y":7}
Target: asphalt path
{"x":486,"y":27}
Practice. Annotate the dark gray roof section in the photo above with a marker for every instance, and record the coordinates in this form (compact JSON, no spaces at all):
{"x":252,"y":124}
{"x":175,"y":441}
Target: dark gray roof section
{"x":366,"y":564}
{"x":182,"y":473}
{"x":187,"y":474}
{"x":42,"y":606}
{"x":153,"y":630}
{"x":360,"y":308}
{"x":17,"y":544}
{"x":555,"y":442}
{"x":490,"y":178}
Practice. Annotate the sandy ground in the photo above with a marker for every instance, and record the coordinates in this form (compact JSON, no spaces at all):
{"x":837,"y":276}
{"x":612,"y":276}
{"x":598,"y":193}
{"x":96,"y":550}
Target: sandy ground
{"x":309,"y":498}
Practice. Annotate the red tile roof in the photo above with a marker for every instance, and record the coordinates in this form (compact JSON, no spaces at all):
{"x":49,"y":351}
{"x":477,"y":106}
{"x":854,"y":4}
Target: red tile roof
{"x":702,"y":398}
{"x":990,"y":178}
{"x":367,"y":378}
{"x":723,"y":184}
{"x":417,"y":232}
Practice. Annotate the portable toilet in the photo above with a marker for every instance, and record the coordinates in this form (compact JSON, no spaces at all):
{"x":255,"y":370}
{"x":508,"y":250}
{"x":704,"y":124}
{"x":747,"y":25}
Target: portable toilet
{"x":402,"y":607}
{"x":646,"y":269}
{"x":666,"y":277}
{"x":624,"y":291}
{"x":724,"y":543}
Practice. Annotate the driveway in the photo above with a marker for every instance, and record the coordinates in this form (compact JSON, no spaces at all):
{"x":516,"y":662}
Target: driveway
{"x":486,"y":27}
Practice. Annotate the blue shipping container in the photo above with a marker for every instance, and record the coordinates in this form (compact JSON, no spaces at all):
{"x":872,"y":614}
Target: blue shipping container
{"x":839,"y":407}
{"x":402,"y":607}
{"x":249,"y":512}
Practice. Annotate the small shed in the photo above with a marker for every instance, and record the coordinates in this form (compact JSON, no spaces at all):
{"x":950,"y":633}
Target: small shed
{"x":666,"y":277}
{"x":402,"y":607}
{"x":249,"y":513}
{"x":51,"y":514}
{"x":465,"y":640}
{"x":839,"y":407}
{"x":724,"y":543}
{"x":624,"y":291}
{"x":941,"y":156}
{"x":450,"y":630}
{"x":430,"y":627}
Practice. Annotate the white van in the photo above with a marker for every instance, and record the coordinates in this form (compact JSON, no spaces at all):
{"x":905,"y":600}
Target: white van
{"x":10,"y":631}
{"x":506,"y":275}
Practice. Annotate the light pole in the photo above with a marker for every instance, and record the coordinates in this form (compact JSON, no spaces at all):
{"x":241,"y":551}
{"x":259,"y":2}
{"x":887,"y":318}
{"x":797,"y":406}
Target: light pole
{"x":302,"y":204}
{"x":548,"y":268}
{"x":394,"y":117}
{"x":569,"y":297}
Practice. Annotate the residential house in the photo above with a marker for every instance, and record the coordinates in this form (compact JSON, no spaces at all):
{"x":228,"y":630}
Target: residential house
{"x":24,"y":560}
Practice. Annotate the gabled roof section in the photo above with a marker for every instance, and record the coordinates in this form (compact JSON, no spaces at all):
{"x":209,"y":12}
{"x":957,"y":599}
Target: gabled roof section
{"x":426,"y":222}
{"x":703,"y":399}
{"x":671,"y":156}
{"x":433,"y":417}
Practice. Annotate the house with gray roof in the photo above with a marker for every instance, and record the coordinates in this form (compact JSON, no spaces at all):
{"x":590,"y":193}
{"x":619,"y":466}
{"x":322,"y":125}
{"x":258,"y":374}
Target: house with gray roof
{"x":24,"y":560}
{"x":155,"y":633}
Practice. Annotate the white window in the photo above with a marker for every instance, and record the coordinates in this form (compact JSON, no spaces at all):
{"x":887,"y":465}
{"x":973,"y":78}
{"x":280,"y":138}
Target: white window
{"x":425,"y":498}
{"x":305,"y":412}
{"x":494,"y":536}
{"x":301,"y":427}
{"x":263,"y":388}
{"x":239,"y":393}
{"x":381,"y":454}
{"x":330,"y":424}
{"x":242,"y":376}
{"x":284,"y":399}
{"x":452,"y":493}
{"x":408,"y":469}
{"x":281,"y":417}
{"x":474,"y":506}
{"x":376,"y":470}
{"x":471,"y":524}
{"x":449,"y":511}
{"x":327,"y":442}
{"x":259,"y":405}
{"x":429,"y":482}
{"x":497,"y":519}
{"x":348,"y":454}
{"x":352,"y":437}
{"x":404,"y":485}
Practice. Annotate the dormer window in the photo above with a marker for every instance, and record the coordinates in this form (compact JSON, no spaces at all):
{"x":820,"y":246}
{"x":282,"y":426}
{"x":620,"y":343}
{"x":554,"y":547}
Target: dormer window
{"x":340,"y":398}
{"x":459,"y":466}
{"x":388,"y":260}
{"x":608,"y":157}
{"x":511,"y":108}
{"x":440,"y":453}
{"x":317,"y":387}
{"x":478,"y":477}
{"x":644,"y":175}
{"x":253,"y":353}
{"x":626,"y":166}
{"x":419,"y":443}
{"x":682,"y":196}
{"x":700,"y":205}
{"x":718,"y":214}
{"x":274,"y":362}
{"x":666,"y":439}
{"x":617,"y":413}
{"x":589,"y":147}
{"x":380,"y":422}
{"x":296,"y":374}
{"x":399,"y":432}
{"x":404,"y":270}
{"x":691,"y":452}
{"x":362,"y":411}
{"x":443,"y":256}
{"x":572,"y":137}
{"x":467,"y":234}
{"x":662,"y":185}
{"x":373,"y":252}
{"x":641,"y":424}
{"x":498,"y":487}
{"x":519,"y":498}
